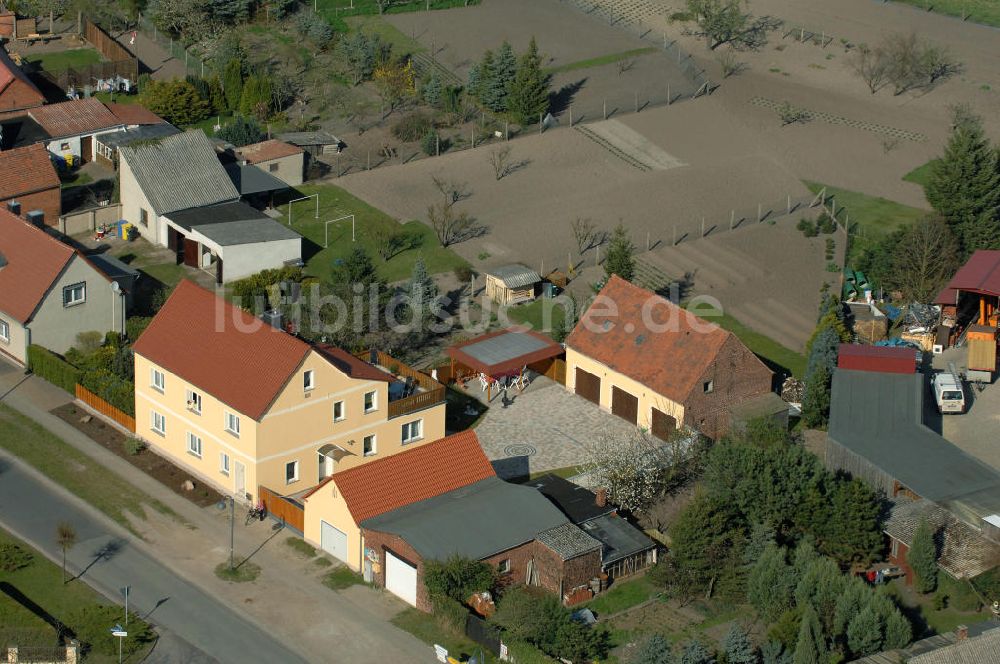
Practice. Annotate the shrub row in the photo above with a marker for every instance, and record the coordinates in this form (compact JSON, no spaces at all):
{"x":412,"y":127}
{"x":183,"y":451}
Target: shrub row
{"x":46,"y":364}
{"x":117,"y":392}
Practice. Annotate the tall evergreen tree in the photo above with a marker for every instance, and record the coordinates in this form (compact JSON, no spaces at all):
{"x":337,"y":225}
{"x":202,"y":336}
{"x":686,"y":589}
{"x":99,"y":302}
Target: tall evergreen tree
{"x":481,"y":76}
{"x":738,"y":646}
{"x":232,"y":84}
{"x":359,"y":268}
{"x":529,"y":91}
{"x":922,"y":557}
{"x":773,"y":652}
{"x":816,"y":400}
{"x":620,"y":258}
{"x":654,"y":650}
{"x":696,"y":653}
{"x":810,"y":648}
{"x":864,"y":633}
{"x":964,"y":186}
{"x":432,"y":90}
{"x":898,"y":631}
{"x":495,"y":86}
{"x":422,"y":290}
{"x":769,"y":586}
{"x":853,"y":598}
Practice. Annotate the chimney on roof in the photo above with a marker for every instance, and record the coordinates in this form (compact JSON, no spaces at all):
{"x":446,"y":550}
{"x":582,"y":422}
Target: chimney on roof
{"x":14,"y":208}
{"x":962,"y":632}
{"x":273,"y":318}
{"x":601,"y":497}
{"x":3,"y":261}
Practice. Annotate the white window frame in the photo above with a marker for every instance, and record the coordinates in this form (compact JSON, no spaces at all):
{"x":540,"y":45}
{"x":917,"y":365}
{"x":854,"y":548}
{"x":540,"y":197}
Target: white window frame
{"x":144,"y":217}
{"x":227,"y":420}
{"x":343,"y":411}
{"x":69,"y":290}
{"x":374,"y":407}
{"x":155,"y":417}
{"x":194,"y":445}
{"x":224,"y":463}
{"x":308,"y":380}
{"x":709,"y":386}
{"x":374,"y":447}
{"x":295,"y":477}
{"x":193,"y":401}
{"x":504,"y":566}
{"x":4,"y":331}
{"x":157,"y":380}
{"x":408,"y":427}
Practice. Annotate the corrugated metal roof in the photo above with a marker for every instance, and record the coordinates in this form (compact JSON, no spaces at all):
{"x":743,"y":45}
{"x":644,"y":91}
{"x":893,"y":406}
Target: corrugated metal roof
{"x":475,"y":521}
{"x":180,"y":172}
{"x":929,"y":645}
{"x":516,"y":276}
{"x":117,"y":139}
{"x":963,"y":551}
{"x":879,"y":416}
{"x":75,"y":117}
{"x":980,"y":274}
{"x":620,"y":539}
{"x":568,"y":541}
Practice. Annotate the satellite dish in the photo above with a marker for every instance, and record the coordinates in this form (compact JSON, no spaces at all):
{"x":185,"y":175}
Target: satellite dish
{"x":115,"y":287}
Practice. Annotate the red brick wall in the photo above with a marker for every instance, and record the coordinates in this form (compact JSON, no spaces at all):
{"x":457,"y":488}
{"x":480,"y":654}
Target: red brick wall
{"x":899,"y":559}
{"x":48,"y":201}
{"x":551,"y":569}
{"x":737,"y":375}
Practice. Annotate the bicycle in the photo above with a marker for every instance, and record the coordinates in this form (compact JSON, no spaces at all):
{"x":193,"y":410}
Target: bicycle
{"x":258,"y":512}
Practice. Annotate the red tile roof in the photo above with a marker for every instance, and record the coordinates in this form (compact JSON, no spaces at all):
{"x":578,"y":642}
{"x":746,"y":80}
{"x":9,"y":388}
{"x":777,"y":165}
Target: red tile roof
{"x":71,"y":118}
{"x":34,"y":260}
{"x":26,"y":170}
{"x":134,"y":114}
{"x":221,"y":349}
{"x":268,"y":150}
{"x":9,"y":72}
{"x":408,"y":477}
{"x":350,"y":365}
{"x":616,"y":331}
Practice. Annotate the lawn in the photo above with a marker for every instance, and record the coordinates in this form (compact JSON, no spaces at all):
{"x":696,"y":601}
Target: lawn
{"x":871,"y":217}
{"x":602,"y":60}
{"x":543,"y":315}
{"x":773,"y":353}
{"x":425,"y":627}
{"x":208,"y":124}
{"x":63,"y":60}
{"x":74,"y":604}
{"x":341,"y":578}
{"x":72,"y":469}
{"x":921,"y":174}
{"x":623,"y":595}
{"x":334,"y":202}
{"x":75,"y":179}
{"x":986,"y":12}
{"x":362,"y":7}
{"x":920,"y":608}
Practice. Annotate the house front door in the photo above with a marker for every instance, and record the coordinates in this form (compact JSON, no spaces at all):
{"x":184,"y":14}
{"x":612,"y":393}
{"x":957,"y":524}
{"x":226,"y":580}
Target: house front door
{"x":326,"y":466}
{"x":240,"y":480}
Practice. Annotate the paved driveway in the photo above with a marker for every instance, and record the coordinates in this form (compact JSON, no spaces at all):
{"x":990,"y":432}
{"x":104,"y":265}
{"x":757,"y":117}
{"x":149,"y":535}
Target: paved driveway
{"x":546,"y":427}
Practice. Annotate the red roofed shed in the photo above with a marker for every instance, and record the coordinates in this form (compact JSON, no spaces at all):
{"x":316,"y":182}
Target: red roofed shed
{"x":879,"y":359}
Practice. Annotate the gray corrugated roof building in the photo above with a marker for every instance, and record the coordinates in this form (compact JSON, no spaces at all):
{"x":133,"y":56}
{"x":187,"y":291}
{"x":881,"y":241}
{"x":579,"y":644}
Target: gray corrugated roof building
{"x":232,"y":223}
{"x":250,"y":179}
{"x":179,"y":172}
{"x":946,"y":648}
{"x":568,"y":541}
{"x":515,"y":276}
{"x":116,"y":139}
{"x":476,"y":521}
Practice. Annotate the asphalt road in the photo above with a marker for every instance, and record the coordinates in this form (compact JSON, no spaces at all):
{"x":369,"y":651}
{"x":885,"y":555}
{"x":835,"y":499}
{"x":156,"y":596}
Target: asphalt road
{"x":195,"y":627}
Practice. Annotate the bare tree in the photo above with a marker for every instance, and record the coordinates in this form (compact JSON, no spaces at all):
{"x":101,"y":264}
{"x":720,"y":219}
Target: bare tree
{"x":388,"y":241}
{"x":66,"y":539}
{"x":500,"y":161}
{"x":725,"y":22}
{"x":448,"y":226}
{"x":730,"y":64}
{"x":925,"y":258}
{"x":584,"y":233}
{"x":625,"y":64}
{"x":453,"y":191}
{"x":872,"y":65}
{"x":937,"y":64}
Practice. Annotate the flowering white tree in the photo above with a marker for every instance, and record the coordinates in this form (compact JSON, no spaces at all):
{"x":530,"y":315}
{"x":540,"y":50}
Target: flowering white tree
{"x":633,"y":468}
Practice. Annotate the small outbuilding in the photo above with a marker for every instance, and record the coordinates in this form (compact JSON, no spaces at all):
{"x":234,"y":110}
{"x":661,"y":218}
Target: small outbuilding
{"x":512,"y":284}
{"x":316,"y":143}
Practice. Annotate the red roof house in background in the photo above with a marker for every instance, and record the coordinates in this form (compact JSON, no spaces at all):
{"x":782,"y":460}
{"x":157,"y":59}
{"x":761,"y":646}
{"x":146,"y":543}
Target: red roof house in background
{"x":877,"y":358}
{"x":28,"y":176}
{"x":17,"y":92}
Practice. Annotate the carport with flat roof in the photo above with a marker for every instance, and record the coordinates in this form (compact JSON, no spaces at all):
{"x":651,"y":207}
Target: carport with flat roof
{"x":503,"y":353}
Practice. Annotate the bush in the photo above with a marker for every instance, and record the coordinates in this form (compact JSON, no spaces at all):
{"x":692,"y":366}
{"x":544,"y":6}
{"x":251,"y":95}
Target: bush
{"x":542,"y":621}
{"x":525,"y":653}
{"x":241,"y":131}
{"x":463,"y":273}
{"x":458,"y":577}
{"x":133,"y":446}
{"x":136,"y":325}
{"x":825,"y":224}
{"x":46,"y":364}
{"x":450,"y":614}
{"x":430,"y":142}
{"x":13,"y":557}
{"x":807,"y":227}
{"x":260,"y":285}
{"x":413,"y":127}
{"x":117,"y":392}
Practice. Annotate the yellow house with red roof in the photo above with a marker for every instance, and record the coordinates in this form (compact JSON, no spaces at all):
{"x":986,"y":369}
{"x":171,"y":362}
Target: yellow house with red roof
{"x":244,"y":405}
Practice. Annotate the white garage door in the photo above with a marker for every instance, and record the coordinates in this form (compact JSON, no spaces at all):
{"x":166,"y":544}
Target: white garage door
{"x":401,"y":578}
{"x":333,"y":541}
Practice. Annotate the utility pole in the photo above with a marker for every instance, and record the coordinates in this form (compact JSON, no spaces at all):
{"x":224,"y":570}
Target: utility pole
{"x":232,"y":530}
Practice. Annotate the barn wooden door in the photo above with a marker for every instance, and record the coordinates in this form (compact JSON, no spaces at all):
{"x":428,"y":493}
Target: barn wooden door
{"x":663,"y":425}
{"x":588,"y":386}
{"x":191,"y":253}
{"x":624,"y":405}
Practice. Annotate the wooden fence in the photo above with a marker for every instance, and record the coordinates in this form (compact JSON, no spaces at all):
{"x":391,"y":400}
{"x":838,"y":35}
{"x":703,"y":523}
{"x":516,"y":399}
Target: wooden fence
{"x":289,"y":511}
{"x":553,"y":369}
{"x":433,"y":392}
{"x":104,"y":408}
{"x":105,"y":43}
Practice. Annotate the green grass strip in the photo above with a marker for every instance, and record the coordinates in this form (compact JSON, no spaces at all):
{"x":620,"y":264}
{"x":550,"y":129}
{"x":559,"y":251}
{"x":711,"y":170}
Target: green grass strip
{"x":600,"y":61}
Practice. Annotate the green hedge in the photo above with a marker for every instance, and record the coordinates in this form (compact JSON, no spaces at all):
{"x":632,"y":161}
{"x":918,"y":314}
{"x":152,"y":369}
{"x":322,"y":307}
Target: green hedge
{"x":46,"y":364}
{"x":117,"y":392}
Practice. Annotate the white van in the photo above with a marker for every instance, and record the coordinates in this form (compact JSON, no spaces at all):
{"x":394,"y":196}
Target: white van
{"x":948,"y":392}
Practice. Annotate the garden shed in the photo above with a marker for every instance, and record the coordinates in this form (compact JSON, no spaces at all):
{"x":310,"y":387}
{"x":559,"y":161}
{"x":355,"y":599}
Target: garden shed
{"x":512,"y":284}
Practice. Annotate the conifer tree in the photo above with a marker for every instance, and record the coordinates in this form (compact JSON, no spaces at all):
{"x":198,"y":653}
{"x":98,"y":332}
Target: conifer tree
{"x":922,"y":557}
{"x":529,"y":91}
{"x":620,"y":258}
